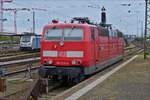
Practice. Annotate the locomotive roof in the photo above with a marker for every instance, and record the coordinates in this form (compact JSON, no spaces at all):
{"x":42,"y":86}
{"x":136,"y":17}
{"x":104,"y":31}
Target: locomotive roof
{"x":29,"y":34}
{"x":71,"y":24}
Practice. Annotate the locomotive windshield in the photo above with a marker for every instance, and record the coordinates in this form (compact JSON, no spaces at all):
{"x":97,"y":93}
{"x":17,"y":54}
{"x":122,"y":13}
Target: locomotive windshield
{"x":25,"y":38}
{"x":67,"y":34}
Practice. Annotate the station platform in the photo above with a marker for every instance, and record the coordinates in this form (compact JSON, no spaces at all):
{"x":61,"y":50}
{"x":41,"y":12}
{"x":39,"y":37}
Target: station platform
{"x":130,"y":82}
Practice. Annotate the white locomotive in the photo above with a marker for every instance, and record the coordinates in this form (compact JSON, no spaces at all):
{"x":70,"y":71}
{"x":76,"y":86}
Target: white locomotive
{"x":30,"y":41}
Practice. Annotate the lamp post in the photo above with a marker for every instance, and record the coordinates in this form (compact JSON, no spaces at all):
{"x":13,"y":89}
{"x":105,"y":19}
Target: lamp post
{"x":1,"y":12}
{"x":33,"y":17}
{"x":145,"y":32}
{"x":142,"y":33}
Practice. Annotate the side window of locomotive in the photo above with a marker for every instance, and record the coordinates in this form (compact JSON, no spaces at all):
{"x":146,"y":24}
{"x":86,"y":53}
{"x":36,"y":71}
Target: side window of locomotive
{"x":111,"y":33}
{"x":103,"y":32}
{"x":99,"y":32}
{"x":115,"y":33}
{"x":119,"y":34}
{"x":92,"y":34}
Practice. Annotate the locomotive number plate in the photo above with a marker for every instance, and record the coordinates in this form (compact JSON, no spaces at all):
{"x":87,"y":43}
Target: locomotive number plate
{"x":62,"y":54}
{"x":62,"y":63}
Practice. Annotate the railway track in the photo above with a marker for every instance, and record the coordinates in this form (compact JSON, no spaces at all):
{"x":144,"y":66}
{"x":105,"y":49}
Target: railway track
{"x":131,"y":52}
{"x":14,"y":53}
{"x":128,"y":48}
{"x":15,"y":67}
{"x":22,"y":61}
{"x":13,"y":73}
{"x":20,"y":56}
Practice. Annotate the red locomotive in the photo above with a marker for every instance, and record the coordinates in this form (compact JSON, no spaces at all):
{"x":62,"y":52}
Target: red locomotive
{"x":74,"y":50}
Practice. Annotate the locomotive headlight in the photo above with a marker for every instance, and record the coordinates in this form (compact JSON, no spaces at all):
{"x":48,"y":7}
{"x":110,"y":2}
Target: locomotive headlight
{"x":50,"y":62}
{"x":76,"y":62}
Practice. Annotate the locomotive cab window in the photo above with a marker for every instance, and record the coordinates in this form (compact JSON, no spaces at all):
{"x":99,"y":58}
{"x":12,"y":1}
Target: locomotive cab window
{"x":73,"y":34}
{"x":53,"y":34}
{"x":66,"y":34}
{"x":25,"y":39}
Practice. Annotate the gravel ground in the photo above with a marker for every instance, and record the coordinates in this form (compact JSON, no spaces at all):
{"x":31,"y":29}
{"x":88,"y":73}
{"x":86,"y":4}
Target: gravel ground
{"x":132,"y":82}
{"x":18,"y":84}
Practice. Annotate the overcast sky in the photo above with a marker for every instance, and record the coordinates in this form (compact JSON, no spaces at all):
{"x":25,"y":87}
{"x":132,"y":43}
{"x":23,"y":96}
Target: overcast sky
{"x":127,"y":18}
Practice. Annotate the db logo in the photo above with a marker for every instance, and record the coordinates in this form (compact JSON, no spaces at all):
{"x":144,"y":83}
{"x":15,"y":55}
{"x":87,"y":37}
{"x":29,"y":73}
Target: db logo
{"x":62,"y":54}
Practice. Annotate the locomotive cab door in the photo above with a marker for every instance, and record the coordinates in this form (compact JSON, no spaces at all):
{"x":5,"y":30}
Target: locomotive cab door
{"x":94,"y":38}
{"x":96,"y":41}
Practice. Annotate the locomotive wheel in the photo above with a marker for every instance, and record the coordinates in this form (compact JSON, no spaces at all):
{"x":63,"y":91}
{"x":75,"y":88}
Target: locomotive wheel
{"x":55,"y":78}
{"x":78,"y":79}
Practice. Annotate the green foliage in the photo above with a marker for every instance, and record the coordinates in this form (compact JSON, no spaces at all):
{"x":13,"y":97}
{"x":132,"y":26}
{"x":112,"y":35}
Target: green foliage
{"x":9,"y":38}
